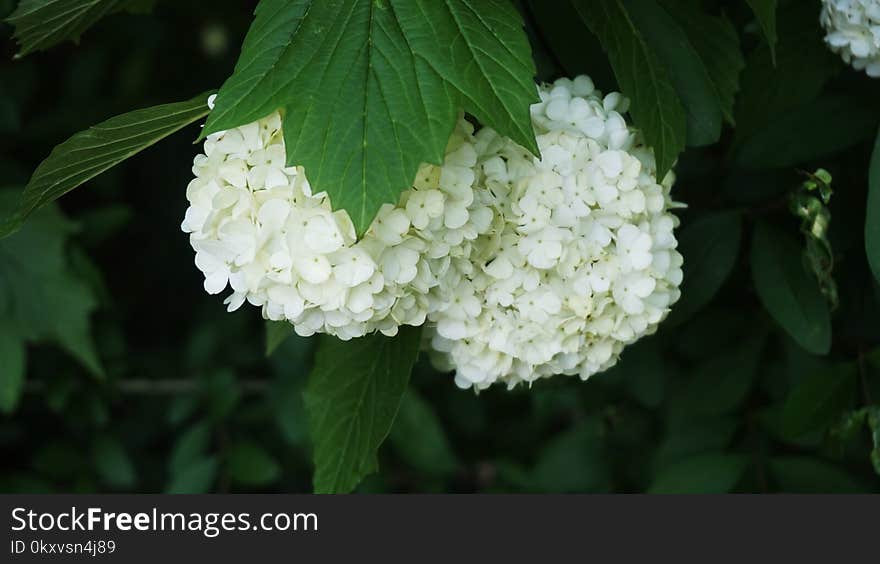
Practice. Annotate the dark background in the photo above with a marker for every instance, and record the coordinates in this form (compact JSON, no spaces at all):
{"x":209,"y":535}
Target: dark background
{"x":189,"y":402}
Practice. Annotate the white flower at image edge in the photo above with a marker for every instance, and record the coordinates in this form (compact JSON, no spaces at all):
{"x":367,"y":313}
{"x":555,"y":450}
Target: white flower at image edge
{"x":581,"y":258}
{"x":257,"y":228}
{"x":853,"y":30}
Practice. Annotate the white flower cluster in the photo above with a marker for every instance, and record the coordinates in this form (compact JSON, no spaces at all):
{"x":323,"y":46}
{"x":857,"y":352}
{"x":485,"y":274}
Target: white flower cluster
{"x":519,"y":267}
{"x":256,"y":226}
{"x":581,"y":258}
{"x":853,"y":31}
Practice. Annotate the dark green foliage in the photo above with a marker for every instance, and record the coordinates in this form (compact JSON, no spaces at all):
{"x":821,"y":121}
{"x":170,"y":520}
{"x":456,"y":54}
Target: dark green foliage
{"x":118,"y":373}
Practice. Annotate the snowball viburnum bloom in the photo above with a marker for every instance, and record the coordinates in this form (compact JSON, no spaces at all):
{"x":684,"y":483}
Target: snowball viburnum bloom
{"x":853,"y":30}
{"x":257,"y":228}
{"x":580,"y":259}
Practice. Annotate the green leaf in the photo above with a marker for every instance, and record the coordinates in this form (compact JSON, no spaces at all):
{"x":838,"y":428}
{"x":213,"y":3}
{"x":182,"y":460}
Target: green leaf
{"x":288,"y":408}
{"x":873,"y":420}
{"x":573,"y":461}
{"x":710,"y":246}
{"x":419,"y":438}
{"x":716,"y":42}
{"x":91,"y":152}
{"x":113,"y":463}
{"x":180,"y":408}
{"x":249,"y":464}
{"x":222,"y":392}
{"x":352,"y":397}
{"x":196,"y":478}
{"x":291,"y":363}
{"x":575,"y":49}
{"x":371,"y":89}
{"x":803,"y":65}
{"x":40,"y":24}
{"x":770,"y":419}
{"x":872,"y":220}
{"x":276,"y":333}
{"x":39,"y":292}
{"x":12,"y":360}
{"x":655,"y":106}
{"x":701,"y":474}
{"x":722,"y":383}
{"x":642,"y":372}
{"x":710,"y":332}
{"x":765,"y":12}
{"x":685,"y":69}
{"x":692,"y":436}
{"x":819,"y":399}
{"x":816,"y":129}
{"x":189,"y":447}
{"x":72,"y":324}
{"x":789,"y":293}
{"x":803,"y":474}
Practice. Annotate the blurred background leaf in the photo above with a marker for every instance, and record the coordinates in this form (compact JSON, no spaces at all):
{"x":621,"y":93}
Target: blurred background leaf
{"x":40,"y":24}
{"x":789,"y":293}
{"x":765,"y":12}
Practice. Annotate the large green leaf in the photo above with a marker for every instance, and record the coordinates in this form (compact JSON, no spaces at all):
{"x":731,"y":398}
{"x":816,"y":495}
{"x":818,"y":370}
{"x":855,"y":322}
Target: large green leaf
{"x":789,"y":293}
{"x":684,"y":67}
{"x":352,"y":397}
{"x":655,"y":105}
{"x":701,"y":474}
{"x":819,"y":399}
{"x":40,"y":24}
{"x":371,"y":89}
{"x":872,"y":220}
{"x":91,"y":152}
{"x":765,"y":12}
{"x":12,"y":359}
{"x":710,"y":246}
{"x":716,"y":42}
